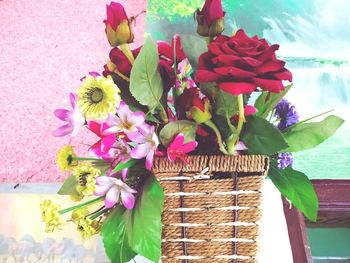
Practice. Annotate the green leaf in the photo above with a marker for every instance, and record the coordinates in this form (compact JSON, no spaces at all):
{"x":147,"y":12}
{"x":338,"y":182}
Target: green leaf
{"x":169,"y":131}
{"x":144,"y":223}
{"x":297,"y":188}
{"x":221,"y":123}
{"x":115,"y":237}
{"x":145,"y":81}
{"x":308,"y":135}
{"x":69,"y":186}
{"x":266,"y":102}
{"x":122,"y":166}
{"x":193,"y":46}
{"x":262,"y":137}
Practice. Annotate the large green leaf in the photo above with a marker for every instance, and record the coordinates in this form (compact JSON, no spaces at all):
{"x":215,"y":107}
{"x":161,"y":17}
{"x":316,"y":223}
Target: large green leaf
{"x":267,"y":101}
{"x":262,"y":137}
{"x":193,"y":46}
{"x":115,"y":237}
{"x":145,"y":81}
{"x":297,"y":188}
{"x":69,"y":187}
{"x":144,"y":223}
{"x":308,"y":135}
{"x":169,"y":131}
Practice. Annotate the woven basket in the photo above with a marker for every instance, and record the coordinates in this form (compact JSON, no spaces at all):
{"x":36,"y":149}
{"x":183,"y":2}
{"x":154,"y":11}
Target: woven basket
{"x":212,"y":208}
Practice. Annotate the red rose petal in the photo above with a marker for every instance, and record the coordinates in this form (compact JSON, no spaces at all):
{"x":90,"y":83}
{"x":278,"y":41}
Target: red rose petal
{"x":285,"y":74}
{"x":235,"y":72}
{"x":271,"y":66}
{"x":206,"y":76}
{"x":228,"y":50}
{"x":237,"y":88}
{"x":271,"y":85}
{"x":268,"y":53}
{"x":215,"y":49}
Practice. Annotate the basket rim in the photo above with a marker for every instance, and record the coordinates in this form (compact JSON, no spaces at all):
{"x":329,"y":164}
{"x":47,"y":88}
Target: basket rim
{"x":215,"y":163}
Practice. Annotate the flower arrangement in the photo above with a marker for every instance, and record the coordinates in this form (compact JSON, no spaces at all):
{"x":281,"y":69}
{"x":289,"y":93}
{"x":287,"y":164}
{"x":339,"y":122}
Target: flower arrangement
{"x":163,"y":99}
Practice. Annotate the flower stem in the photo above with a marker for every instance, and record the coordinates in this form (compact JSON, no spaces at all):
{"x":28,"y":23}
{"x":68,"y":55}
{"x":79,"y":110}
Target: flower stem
{"x":86,"y":159}
{"x":125,"y":48}
{"x":241,"y":119}
{"x":98,"y":213}
{"x":66,"y":210}
{"x":218,"y":135}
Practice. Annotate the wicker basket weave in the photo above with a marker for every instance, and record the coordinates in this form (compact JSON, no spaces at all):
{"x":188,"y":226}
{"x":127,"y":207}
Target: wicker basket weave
{"x":212,"y":208}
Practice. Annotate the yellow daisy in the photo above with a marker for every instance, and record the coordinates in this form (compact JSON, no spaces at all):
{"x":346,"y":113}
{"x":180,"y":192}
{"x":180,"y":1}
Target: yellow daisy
{"x":85,"y":174}
{"x":97,"y":97}
{"x":65,"y":158}
{"x":50,"y":215}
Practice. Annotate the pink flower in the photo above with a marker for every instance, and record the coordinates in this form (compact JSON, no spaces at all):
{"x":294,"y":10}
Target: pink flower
{"x":120,"y":153}
{"x":177,"y":149}
{"x":103,"y":146}
{"x":74,"y":118}
{"x":147,"y":142}
{"x":183,"y":80}
{"x":114,"y":189}
{"x":127,"y":121}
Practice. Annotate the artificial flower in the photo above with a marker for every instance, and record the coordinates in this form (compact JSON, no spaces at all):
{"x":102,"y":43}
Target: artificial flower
{"x":50,"y":215}
{"x":118,"y":27}
{"x":248,"y":111}
{"x":125,"y":121}
{"x":101,"y":147}
{"x":85,"y":175}
{"x":79,"y":213}
{"x":114,"y":189}
{"x":194,"y":103}
{"x":119,"y":63}
{"x":284,"y":160}
{"x":98,"y":96}
{"x":65,"y":158}
{"x":210,"y":19}
{"x":147,"y":143}
{"x":74,"y":118}
{"x":183,"y":79}
{"x":120,"y":153}
{"x":88,"y":227}
{"x":240,"y":64}
{"x":179,"y":149}
{"x":286,"y":114}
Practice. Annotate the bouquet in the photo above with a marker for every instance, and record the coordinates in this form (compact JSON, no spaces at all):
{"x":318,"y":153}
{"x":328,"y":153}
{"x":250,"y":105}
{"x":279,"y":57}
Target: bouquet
{"x":226,"y":97}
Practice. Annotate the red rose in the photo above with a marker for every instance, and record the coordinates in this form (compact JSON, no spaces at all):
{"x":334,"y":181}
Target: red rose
{"x":240,"y":64}
{"x":210,"y":19}
{"x":118,"y":28}
{"x":119,"y":63}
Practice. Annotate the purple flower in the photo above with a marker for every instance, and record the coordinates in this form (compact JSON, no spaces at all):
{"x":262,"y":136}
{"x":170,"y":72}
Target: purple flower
{"x":114,"y":189}
{"x":126,"y":121}
{"x":286,"y":114}
{"x":147,"y":142}
{"x":74,"y":118}
{"x":284,"y":160}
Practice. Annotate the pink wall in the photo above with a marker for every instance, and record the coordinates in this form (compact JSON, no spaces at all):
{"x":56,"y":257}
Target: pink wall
{"x":45,"y":48}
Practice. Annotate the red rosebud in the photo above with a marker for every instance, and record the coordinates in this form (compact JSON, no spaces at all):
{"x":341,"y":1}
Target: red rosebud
{"x":240,"y":64}
{"x":210,"y":19}
{"x":198,"y":108}
{"x":118,"y":28}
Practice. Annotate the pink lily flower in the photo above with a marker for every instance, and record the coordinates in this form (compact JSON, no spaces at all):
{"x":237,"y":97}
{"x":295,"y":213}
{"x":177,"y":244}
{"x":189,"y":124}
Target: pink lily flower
{"x":120,"y":153}
{"x":179,"y":149}
{"x":127,"y":121}
{"x":103,"y":146}
{"x":183,"y":79}
{"x":147,"y":142}
{"x":74,"y":118}
{"x":114,"y":190}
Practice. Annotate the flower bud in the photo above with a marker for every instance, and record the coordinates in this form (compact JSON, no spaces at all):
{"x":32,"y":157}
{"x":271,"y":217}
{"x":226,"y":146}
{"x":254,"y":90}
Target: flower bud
{"x":118,"y":28}
{"x":201,"y":110}
{"x":210,"y":20}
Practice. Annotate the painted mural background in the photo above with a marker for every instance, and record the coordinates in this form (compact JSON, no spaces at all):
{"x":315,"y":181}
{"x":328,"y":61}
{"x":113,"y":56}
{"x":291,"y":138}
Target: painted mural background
{"x":314,"y":37}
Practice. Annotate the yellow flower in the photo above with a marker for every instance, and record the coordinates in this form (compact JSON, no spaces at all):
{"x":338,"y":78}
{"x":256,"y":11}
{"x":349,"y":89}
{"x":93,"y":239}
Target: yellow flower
{"x":85,"y":174}
{"x":65,"y":158}
{"x":50,"y":215}
{"x":97,"y":97}
{"x":86,"y":226}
